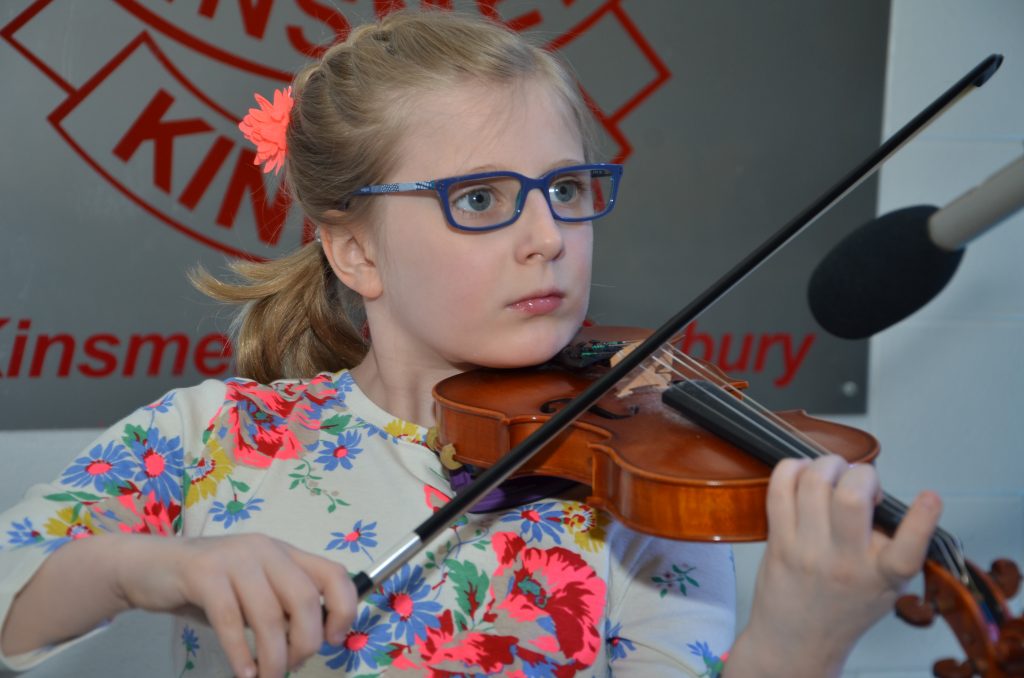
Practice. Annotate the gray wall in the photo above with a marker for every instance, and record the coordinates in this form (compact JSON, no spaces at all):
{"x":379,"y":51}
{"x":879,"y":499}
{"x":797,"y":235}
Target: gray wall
{"x":731,"y":117}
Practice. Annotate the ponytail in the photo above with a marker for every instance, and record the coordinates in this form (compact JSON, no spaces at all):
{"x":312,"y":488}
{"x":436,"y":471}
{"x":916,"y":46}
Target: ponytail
{"x":297,"y":319}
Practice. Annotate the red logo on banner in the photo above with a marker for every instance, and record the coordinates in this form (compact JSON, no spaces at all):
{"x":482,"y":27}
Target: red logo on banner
{"x":144,"y":110}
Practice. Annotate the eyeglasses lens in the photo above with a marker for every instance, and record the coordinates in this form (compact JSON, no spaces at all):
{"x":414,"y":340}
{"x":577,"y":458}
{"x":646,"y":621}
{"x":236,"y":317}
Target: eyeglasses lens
{"x":483,"y":203}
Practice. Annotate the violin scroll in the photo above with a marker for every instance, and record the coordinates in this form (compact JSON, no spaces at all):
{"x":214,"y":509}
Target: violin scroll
{"x":1006,"y":575}
{"x":977,"y":613}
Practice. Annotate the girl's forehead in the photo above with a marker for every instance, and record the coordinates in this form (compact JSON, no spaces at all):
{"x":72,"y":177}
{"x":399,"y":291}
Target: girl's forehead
{"x":523,"y":126}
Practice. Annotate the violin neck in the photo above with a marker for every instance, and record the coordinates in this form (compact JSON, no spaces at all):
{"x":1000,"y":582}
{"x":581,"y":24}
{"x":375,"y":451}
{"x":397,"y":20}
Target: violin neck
{"x":722,"y":413}
{"x":765,"y":438}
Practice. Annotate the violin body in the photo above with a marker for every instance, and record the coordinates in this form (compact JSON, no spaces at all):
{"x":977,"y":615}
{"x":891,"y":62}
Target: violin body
{"x":651,"y":468}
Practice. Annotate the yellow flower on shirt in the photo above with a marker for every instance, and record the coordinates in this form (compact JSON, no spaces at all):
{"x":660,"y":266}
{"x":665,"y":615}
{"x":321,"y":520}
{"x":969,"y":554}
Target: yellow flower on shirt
{"x":403,"y":430}
{"x":207,"y":472}
{"x":67,"y":524}
{"x":586,"y":525}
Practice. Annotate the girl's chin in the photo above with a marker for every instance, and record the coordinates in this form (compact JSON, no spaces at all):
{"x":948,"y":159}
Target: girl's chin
{"x":528,"y":353}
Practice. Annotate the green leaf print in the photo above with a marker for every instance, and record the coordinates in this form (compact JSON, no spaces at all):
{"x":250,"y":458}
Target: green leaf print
{"x":336,"y":424}
{"x":73,"y":496}
{"x":238,"y":485}
{"x":303,"y":475}
{"x":79,"y":498}
{"x":186,"y":485}
{"x":677,"y":577}
{"x":133,"y":433}
{"x":470,"y":585}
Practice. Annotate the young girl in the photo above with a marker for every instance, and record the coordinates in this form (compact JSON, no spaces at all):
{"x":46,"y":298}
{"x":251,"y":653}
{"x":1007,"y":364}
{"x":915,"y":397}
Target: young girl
{"x":279,"y":485}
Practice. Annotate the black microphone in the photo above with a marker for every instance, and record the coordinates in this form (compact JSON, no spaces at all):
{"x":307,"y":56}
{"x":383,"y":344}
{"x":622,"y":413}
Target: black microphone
{"x":895,"y":264}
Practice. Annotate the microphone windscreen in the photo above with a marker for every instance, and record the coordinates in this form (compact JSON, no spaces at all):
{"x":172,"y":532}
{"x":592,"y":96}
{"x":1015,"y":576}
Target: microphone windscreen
{"x":880,"y":274}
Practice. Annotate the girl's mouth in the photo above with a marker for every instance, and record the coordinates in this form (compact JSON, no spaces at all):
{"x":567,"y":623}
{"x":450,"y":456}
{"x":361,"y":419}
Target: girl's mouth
{"x":539,"y":304}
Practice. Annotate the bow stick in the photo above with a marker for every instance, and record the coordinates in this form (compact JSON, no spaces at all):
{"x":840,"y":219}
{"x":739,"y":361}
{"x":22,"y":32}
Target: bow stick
{"x":516,"y":457}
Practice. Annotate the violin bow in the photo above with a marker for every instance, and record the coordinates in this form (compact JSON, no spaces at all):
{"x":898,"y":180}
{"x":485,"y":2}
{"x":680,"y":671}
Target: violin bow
{"x":492,"y":477}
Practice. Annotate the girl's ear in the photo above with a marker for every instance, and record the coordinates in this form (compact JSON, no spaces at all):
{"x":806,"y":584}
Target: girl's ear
{"x":353,"y":258}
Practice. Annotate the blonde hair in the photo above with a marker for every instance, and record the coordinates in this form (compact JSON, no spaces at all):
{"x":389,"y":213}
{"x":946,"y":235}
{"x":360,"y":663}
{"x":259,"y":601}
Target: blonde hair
{"x":351,"y":108}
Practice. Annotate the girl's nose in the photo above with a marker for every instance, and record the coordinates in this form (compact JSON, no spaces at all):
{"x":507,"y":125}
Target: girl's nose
{"x":541,"y":235}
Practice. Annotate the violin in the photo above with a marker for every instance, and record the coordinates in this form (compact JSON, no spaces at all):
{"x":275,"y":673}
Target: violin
{"x":644,"y":460}
{"x":972,"y":602}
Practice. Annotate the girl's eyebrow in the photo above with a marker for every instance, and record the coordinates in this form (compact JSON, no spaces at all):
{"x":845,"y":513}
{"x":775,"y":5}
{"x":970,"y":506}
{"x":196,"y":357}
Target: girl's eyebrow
{"x":565,"y":162}
{"x":480,"y":168}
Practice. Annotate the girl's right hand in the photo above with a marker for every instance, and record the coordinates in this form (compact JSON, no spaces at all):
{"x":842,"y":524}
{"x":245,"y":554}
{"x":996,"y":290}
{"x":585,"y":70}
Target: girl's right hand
{"x":240,"y":581}
{"x":827,"y":575}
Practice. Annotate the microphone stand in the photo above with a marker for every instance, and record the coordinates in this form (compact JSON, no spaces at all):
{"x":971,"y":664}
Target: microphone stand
{"x":495,"y":475}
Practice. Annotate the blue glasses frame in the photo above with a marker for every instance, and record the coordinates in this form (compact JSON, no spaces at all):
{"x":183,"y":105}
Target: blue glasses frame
{"x":527,"y":184}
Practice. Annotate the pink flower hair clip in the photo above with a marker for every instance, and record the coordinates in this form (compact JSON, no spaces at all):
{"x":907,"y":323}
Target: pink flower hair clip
{"x":265,"y":127}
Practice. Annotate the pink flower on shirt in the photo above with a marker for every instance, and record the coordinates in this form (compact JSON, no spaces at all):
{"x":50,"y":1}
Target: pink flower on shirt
{"x":154,"y":517}
{"x":447,"y":651}
{"x":553,"y":588}
{"x":273,"y":422}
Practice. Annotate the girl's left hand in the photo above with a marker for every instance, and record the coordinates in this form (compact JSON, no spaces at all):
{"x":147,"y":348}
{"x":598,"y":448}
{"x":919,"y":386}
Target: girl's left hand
{"x":827,"y":575}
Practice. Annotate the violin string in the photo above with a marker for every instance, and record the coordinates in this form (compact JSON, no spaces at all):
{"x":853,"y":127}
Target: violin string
{"x":741,"y":406}
{"x":947,"y":545}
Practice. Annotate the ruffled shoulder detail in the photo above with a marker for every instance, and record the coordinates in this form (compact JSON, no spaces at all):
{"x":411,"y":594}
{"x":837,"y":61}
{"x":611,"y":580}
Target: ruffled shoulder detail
{"x":259,"y":423}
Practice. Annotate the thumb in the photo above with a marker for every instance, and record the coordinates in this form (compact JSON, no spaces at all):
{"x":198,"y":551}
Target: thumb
{"x":903,"y":556}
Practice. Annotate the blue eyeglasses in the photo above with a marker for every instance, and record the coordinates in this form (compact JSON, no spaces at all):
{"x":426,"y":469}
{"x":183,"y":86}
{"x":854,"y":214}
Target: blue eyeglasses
{"x":490,"y":200}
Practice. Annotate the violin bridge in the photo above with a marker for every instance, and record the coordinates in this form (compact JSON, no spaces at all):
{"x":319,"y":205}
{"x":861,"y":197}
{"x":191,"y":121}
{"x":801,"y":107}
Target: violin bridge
{"x":648,"y":374}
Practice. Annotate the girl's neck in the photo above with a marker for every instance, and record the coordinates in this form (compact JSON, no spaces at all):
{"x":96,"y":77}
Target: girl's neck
{"x":405,"y":391}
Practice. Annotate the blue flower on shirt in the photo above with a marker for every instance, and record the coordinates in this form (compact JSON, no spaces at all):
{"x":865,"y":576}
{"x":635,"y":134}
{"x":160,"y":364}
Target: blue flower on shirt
{"x":234,"y":511}
{"x":100,"y":466}
{"x":159,"y":463}
{"x":190,"y":641}
{"x":374,"y":430}
{"x":543,"y":668}
{"x":366,"y":641}
{"x":341,"y":452}
{"x":405,"y":596}
{"x":344,"y":384}
{"x":24,"y":533}
{"x":162,"y":405}
{"x":618,"y":647}
{"x":538,"y":520}
{"x":358,"y":539}
{"x":712,"y":662}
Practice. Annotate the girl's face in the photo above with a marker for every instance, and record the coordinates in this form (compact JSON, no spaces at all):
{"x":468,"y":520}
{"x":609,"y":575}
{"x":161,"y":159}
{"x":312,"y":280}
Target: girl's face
{"x":505,"y":298}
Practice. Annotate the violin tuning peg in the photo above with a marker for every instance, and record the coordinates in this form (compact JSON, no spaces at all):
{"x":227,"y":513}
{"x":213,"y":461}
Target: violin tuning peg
{"x":1006,"y":576}
{"x":951,"y":668}
{"x":915,"y":611}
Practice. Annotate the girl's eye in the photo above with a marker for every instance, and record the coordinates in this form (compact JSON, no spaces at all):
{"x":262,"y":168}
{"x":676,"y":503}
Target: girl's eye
{"x":479,"y":199}
{"x":565,"y":190}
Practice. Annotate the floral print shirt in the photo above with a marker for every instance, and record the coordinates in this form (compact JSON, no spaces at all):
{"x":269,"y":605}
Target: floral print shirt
{"x":551,"y":588}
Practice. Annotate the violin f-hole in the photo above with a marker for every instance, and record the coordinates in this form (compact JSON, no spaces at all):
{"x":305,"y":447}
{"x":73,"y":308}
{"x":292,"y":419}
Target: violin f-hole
{"x":553,"y":405}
